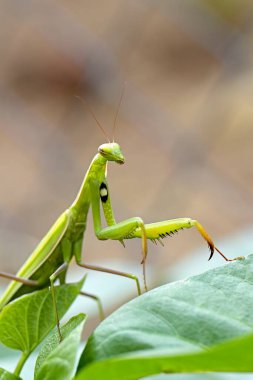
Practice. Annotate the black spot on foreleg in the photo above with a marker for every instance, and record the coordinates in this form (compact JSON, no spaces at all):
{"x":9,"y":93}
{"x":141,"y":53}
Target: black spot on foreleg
{"x":103,"y":192}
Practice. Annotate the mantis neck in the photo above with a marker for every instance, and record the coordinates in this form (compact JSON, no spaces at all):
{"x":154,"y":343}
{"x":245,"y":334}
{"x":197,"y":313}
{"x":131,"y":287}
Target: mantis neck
{"x":96,"y":172}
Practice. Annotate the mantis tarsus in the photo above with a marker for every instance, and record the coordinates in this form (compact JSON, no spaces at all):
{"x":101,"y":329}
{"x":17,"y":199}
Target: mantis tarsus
{"x":51,"y":258}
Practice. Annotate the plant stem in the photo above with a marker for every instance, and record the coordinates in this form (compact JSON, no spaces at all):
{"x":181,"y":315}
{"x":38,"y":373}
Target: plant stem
{"x":21,"y":362}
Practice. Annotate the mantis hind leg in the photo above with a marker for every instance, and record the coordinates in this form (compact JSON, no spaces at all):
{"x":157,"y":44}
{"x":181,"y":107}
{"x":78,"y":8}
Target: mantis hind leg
{"x":52,"y":278}
{"x":8,"y":295}
{"x":24,"y":281}
{"x":98,"y":301}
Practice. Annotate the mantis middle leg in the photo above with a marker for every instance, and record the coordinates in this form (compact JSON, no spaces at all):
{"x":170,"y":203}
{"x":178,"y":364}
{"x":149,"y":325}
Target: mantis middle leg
{"x":118,"y":231}
{"x":111,"y":271}
{"x":98,"y":301}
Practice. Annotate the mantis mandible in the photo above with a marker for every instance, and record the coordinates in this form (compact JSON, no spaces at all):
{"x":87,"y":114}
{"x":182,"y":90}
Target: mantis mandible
{"x":50,"y":259}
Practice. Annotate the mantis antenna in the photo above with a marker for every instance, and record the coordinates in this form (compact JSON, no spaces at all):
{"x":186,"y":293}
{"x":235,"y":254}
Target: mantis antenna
{"x":117,"y":111}
{"x":93,"y":115}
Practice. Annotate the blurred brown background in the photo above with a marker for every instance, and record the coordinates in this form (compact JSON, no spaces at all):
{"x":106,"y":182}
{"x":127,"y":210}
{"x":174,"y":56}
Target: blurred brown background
{"x":185,"y":124}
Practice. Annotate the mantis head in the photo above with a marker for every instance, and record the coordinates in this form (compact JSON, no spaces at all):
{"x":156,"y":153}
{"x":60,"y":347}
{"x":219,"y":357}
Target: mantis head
{"x":112,"y":152}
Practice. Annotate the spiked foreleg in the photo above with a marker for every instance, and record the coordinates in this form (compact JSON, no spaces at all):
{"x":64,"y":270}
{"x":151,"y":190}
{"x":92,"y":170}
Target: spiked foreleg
{"x":161,"y":230}
{"x":124,"y":230}
{"x":114,"y":231}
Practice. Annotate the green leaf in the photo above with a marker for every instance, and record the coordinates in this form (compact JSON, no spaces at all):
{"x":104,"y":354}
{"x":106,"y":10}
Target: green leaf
{"x":180,"y":321}
{"x":5,"y":375}
{"x":200,"y":376}
{"x":26,"y":321}
{"x":56,"y":361}
{"x":232,"y":356}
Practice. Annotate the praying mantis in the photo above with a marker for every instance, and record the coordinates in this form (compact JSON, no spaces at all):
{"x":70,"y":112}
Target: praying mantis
{"x":63,"y":242}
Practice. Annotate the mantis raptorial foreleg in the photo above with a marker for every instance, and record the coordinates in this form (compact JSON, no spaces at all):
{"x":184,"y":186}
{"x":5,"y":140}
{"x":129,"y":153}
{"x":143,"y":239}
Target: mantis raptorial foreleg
{"x":114,"y":231}
{"x":125,"y":230}
{"x":135,"y":227}
{"x":161,"y":230}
